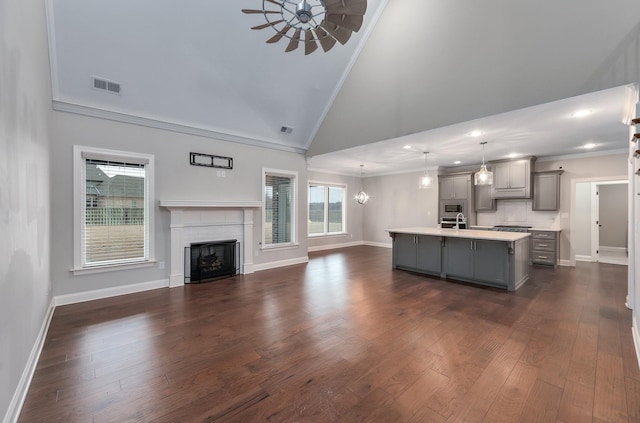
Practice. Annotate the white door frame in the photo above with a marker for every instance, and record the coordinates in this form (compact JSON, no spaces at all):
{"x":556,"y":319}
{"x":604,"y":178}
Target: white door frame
{"x":595,"y":211}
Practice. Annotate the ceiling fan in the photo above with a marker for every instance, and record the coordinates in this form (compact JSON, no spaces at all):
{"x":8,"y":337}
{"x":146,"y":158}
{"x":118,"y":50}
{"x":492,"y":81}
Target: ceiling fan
{"x":323,"y":21}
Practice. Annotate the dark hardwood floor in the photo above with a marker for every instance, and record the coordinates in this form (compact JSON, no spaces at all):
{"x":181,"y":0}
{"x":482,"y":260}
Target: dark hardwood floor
{"x":346,"y":338}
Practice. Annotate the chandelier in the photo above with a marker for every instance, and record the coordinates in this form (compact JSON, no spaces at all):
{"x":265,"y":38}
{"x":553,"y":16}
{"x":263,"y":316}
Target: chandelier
{"x":361,"y":197}
{"x":311,"y":21}
{"x":483,"y":176}
{"x":426,"y":181}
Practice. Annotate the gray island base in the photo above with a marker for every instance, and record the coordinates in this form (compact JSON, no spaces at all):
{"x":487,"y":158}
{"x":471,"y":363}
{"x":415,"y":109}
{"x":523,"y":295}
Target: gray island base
{"x":497,"y":259}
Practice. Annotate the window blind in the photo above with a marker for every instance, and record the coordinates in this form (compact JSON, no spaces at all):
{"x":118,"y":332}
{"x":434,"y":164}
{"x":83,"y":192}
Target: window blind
{"x":278,"y":203}
{"x":114,"y":216}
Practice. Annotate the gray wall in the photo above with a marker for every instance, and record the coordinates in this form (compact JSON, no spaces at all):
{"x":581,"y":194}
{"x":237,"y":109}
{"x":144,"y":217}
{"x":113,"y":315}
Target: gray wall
{"x":583,"y":219}
{"x":354,"y":211}
{"x":25,"y":110}
{"x":613,"y":209}
{"x":175,"y":180}
{"x":396,"y":202}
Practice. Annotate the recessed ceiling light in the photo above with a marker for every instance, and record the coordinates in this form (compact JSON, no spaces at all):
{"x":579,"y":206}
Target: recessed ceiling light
{"x":475,"y":133}
{"x":588,"y":146}
{"x":406,"y":147}
{"x":513,"y":155}
{"x":457,"y":162}
{"x":580,"y":113}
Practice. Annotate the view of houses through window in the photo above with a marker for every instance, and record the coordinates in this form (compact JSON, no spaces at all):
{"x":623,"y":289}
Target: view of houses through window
{"x":326,"y":209}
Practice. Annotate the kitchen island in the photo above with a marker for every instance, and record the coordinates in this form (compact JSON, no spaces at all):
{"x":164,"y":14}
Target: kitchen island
{"x":498,"y":259}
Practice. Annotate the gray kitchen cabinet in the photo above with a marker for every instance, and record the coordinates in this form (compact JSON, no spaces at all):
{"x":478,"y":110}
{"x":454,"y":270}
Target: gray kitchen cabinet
{"x":478,"y":260}
{"x":484,"y":201}
{"x":417,"y":252}
{"x":512,"y":178}
{"x":546,"y":190}
{"x":459,"y":258}
{"x":454,"y":187}
{"x":545,"y":247}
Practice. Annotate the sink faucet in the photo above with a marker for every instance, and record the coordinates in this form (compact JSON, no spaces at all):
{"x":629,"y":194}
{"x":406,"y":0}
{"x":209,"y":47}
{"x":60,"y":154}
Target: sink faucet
{"x":461,"y":216}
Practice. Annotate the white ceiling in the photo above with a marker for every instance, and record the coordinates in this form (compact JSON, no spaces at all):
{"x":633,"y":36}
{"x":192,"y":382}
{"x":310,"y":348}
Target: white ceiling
{"x":416,"y":69}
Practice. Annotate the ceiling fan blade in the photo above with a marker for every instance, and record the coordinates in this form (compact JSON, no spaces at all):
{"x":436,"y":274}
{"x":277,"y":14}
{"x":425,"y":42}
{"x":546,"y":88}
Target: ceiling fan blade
{"x":293,"y":44}
{"x":351,"y":22}
{"x":279,"y":35}
{"x":263,"y":26}
{"x":310,"y":44}
{"x":340,"y":34}
{"x":251,"y":11}
{"x":340,"y":7}
{"x":326,"y":41}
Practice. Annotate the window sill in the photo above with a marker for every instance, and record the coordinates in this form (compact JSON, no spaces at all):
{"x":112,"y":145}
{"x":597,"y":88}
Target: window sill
{"x":112,"y":267}
{"x":287,"y":246}
{"x":335,"y":234}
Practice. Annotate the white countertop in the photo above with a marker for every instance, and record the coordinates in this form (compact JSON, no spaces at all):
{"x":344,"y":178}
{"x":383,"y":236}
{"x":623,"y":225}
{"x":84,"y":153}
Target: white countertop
{"x":480,"y":227}
{"x":462,"y":233}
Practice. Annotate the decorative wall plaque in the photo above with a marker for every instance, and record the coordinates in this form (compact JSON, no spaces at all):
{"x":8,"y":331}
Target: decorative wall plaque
{"x":210,"y":160}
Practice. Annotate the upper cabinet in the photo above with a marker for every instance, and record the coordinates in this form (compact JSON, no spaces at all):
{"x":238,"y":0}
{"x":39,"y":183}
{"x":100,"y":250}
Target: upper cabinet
{"x":484,"y":201}
{"x":546,"y":190}
{"x":454,"y":187}
{"x":512,"y":178}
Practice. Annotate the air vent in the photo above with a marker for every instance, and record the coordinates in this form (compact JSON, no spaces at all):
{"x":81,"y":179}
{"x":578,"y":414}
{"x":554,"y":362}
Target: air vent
{"x":286,"y":129}
{"x":106,"y":85}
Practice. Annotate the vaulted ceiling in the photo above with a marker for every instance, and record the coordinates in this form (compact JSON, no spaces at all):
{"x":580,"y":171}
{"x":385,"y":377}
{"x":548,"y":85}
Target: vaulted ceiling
{"x":416,"y":66}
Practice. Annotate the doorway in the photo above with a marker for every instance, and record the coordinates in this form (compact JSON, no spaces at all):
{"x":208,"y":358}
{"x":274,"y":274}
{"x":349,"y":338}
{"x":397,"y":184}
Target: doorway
{"x":601,"y":217}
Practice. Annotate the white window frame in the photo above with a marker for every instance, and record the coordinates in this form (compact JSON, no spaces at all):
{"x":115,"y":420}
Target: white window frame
{"x":80,"y":153}
{"x":327,"y":185}
{"x":294,"y":209}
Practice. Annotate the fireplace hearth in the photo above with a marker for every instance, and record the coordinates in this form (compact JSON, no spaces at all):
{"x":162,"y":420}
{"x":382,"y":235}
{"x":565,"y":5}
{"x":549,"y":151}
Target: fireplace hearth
{"x":208,"y":261}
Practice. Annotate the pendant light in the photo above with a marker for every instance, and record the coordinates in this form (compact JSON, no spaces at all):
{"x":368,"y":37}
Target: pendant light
{"x":426,"y":181}
{"x":483,"y":176}
{"x":361,"y":197}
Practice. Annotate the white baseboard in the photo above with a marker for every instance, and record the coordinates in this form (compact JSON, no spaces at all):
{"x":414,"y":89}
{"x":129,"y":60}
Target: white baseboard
{"x":379,"y":244}
{"x":334,"y":246}
{"x":15,"y":406}
{"x":612,"y":250}
{"x":281,"y":263}
{"x":565,"y":263}
{"x":584,"y":258}
{"x":636,"y":338}
{"x":97,"y":294}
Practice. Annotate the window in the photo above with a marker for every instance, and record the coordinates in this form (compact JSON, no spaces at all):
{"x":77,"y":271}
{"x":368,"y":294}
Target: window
{"x":113,"y":213}
{"x":326,"y":209}
{"x":279,"y":208}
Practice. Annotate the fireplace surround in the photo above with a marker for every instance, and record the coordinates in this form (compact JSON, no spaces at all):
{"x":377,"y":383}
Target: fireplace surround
{"x":203,"y":221}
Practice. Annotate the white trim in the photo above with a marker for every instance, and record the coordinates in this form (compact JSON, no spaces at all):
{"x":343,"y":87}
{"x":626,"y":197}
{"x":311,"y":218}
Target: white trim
{"x":566,"y":263}
{"x":584,"y":258}
{"x":378,"y":244}
{"x":613,"y":249}
{"x":112,"y":267}
{"x":20,"y":394}
{"x":325,"y":224}
{"x":98,"y":294}
{"x":347,"y":70}
{"x":80,"y":153}
{"x":335,"y":246}
{"x":578,"y":156}
{"x":281,"y":263}
{"x":53,"y":58}
{"x":636,"y":338}
{"x":156,"y":123}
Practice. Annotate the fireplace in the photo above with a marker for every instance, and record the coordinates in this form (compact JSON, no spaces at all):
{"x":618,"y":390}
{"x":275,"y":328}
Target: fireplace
{"x":207,"y":261}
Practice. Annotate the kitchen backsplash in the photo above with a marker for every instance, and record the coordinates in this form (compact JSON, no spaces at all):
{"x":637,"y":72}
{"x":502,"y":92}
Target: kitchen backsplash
{"x":518,"y":212}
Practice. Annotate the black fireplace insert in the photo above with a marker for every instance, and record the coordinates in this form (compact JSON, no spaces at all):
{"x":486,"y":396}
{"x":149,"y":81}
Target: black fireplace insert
{"x":207,"y":261}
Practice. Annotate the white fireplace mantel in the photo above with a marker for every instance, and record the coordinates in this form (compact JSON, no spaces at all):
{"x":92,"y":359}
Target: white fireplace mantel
{"x":192,"y":219}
